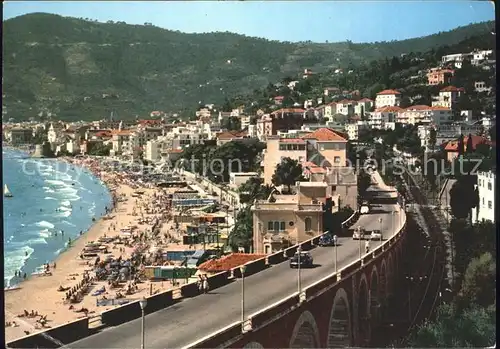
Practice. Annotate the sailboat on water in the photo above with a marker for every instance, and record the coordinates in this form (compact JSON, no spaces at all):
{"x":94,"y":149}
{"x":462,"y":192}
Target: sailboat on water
{"x":6,"y":191}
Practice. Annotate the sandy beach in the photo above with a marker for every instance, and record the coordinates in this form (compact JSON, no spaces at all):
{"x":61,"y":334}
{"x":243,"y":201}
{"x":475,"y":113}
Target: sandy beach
{"x":47,"y":296}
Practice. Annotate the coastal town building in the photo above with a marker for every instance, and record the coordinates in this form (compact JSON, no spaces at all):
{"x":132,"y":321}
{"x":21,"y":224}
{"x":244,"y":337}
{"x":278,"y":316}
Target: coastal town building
{"x":486,"y":190}
{"x":438,"y":76}
{"x":447,"y":97}
{"x":389,"y":98}
{"x":418,"y":114}
{"x":236,"y":179}
{"x":19,"y":136}
{"x":353,"y":129}
{"x":380,"y":118}
{"x":324,"y":146}
{"x":289,"y":219}
{"x":451,"y":147}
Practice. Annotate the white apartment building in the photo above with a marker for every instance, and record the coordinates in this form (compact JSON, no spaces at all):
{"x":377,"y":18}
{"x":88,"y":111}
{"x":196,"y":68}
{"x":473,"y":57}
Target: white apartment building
{"x":486,"y":189}
{"x":152,"y":151}
{"x":480,"y":86}
{"x":381,"y":116}
{"x":457,"y":59}
{"x":424,"y":114}
{"x":363,"y":106}
{"x":354,"y":128}
{"x":345,"y":107}
{"x":480,"y":56}
{"x":122,"y":142}
{"x":448,"y":96}
{"x":330,"y":110}
{"x":389,"y":98}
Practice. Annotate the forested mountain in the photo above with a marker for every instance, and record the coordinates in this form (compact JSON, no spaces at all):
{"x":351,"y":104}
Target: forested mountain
{"x":82,"y":69}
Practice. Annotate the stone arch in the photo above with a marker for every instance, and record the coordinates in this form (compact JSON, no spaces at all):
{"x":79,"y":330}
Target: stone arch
{"x":363,"y":311}
{"x":383,"y":282}
{"x":390,"y":274}
{"x":305,"y":333}
{"x":374,"y":296}
{"x":340,"y":326}
{"x":253,"y":345}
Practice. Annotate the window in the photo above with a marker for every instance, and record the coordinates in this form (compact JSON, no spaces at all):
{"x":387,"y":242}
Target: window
{"x":336,"y":159}
{"x":308,"y":224}
{"x":479,"y":182}
{"x":490,"y":205}
{"x":489,"y":185}
{"x":275,"y":226}
{"x":483,"y":201}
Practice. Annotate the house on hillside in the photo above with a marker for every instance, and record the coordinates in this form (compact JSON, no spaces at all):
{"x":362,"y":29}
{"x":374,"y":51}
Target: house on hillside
{"x":451,"y":147}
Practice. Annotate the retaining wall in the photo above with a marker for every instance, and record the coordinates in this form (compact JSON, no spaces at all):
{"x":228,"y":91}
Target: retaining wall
{"x":65,"y":334}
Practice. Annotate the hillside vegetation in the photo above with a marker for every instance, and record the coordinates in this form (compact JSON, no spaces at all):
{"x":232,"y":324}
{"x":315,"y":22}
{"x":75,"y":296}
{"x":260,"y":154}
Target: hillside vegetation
{"x":80,"y":69}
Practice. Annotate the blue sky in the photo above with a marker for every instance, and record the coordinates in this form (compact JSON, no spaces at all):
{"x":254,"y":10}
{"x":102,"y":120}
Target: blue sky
{"x":358,"y":21}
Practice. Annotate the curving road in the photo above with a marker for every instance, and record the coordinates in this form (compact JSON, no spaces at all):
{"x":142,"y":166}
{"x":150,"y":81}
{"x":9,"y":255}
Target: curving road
{"x":189,"y":320}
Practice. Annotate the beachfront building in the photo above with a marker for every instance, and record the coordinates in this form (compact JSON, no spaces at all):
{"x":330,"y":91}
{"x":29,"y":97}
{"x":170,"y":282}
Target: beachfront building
{"x":289,"y":219}
{"x":486,"y":190}
{"x":152,"y":151}
{"x":121,"y":141}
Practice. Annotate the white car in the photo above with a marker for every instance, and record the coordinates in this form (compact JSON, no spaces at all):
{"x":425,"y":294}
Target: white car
{"x":359,"y":234}
{"x":376,"y":235}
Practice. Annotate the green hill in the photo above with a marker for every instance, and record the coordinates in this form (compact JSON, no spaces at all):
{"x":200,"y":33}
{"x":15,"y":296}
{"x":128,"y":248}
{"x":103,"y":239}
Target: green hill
{"x":80,"y":69}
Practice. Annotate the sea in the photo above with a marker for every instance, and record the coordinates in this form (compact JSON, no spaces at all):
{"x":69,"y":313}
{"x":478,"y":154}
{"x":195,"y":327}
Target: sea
{"x":53,"y":201}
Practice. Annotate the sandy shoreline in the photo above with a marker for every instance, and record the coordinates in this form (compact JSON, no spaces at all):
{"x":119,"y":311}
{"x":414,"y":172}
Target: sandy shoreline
{"x":40,"y":293}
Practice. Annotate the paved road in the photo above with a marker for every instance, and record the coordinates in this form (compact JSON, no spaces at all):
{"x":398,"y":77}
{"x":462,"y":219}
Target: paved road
{"x":195,"y":318}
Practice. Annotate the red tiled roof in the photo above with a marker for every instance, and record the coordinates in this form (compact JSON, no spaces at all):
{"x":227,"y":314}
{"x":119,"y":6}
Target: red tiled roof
{"x":346,"y":101}
{"x":452,"y":146}
{"x":316,"y":170}
{"x":389,"y":109}
{"x":326,"y":135}
{"x":149,"y":122}
{"x":452,"y":89}
{"x":175,"y":150}
{"x":121,"y":132}
{"x":365,"y":100}
{"x":103,"y":134}
{"x":279,"y":97}
{"x":229,"y":262}
{"x":388,"y":92}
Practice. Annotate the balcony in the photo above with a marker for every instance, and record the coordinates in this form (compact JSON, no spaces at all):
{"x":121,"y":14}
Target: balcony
{"x":310,"y":207}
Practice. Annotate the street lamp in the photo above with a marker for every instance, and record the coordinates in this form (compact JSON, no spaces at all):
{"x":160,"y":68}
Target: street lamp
{"x":335,"y":244}
{"x":380,"y":225}
{"x":243,"y":268}
{"x":143,"y":302}
{"x":299,"y":286}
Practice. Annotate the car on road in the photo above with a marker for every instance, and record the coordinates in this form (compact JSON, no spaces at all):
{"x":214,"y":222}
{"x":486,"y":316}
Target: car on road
{"x":326,"y":240}
{"x":376,"y":235}
{"x":302,"y":259}
{"x":359,"y":234}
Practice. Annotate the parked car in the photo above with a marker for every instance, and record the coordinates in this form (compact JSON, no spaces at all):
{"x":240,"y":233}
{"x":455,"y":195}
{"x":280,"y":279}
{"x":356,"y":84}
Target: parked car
{"x":326,"y":240}
{"x":305,"y":260}
{"x":376,"y":235}
{"x":359,"y":234}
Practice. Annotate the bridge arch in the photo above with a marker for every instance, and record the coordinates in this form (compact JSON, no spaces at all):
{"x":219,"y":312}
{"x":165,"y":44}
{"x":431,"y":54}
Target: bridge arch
{"x":383,"y":282}
{"x":390,"y":274}
{"x":363,"y":311}
{"x":253,"y":345}
{"x":340,"y":328}
{"x":305,"y":333}
{"x":374,"y":292}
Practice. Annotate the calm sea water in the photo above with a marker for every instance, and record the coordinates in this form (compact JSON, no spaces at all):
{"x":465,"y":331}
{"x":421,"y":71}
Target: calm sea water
{"x":49,"y":196}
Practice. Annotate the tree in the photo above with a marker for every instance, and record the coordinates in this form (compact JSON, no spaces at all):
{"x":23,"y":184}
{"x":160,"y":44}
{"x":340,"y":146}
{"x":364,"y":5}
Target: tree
{"x":432,"y":138}
{"x":460,"y":145}
{"x":254,"y":189}
{"x":242,"y":233}
{"x":461,"y":208}
{"x":405,"y":102}
{"x":231,"y":123}
{"x":479,"y":284}
{"x":473,"y":327}
{"x":364,"y":182}
{"x":287,"y":173}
